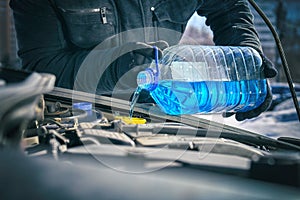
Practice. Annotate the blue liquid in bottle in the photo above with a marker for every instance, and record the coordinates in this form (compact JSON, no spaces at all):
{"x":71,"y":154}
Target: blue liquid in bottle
{"x":176,"y":98}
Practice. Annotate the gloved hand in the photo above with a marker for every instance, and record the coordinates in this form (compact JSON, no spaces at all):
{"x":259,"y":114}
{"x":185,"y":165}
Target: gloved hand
{"x":268,"y":67}
{"x":269,"y":72}
{"x":132,"y":58}
{"x":240,"y":116}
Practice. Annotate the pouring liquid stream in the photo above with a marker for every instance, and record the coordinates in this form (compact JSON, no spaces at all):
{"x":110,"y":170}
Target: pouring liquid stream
{"x":134,"y":100}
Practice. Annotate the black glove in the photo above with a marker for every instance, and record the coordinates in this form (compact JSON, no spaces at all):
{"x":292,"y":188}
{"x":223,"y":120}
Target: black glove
{"x":268,"y":67}
{"x":269,"y":72}
{"x":132,"y":58}
{"x":240,"y":116}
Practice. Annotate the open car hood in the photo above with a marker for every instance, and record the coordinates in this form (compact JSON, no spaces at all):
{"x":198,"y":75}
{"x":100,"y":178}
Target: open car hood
{"x":185,"y":152}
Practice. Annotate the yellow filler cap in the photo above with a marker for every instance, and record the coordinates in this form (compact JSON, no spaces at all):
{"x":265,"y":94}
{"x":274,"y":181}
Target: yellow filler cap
{"x":133,"y":120}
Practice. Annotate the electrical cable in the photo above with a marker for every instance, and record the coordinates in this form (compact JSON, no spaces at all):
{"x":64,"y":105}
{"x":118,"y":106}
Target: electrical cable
{"x":281,"y":53}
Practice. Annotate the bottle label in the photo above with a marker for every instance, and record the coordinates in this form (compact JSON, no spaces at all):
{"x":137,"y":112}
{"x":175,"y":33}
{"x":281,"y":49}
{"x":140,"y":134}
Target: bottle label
{"x":189,"y":71}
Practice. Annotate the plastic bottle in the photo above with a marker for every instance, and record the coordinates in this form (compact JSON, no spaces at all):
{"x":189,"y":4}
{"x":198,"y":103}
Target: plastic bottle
{"x":193,"y":79}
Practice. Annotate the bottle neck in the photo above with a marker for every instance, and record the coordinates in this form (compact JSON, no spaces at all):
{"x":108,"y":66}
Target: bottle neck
{"x":147,"y":79}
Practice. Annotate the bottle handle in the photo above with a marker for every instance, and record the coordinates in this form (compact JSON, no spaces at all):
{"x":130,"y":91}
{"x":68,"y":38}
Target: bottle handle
{"x":156,"y":60}
{"x":154,"y":73}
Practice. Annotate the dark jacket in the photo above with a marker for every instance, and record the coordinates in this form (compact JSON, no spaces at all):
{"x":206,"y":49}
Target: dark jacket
{"x":56,"y":36}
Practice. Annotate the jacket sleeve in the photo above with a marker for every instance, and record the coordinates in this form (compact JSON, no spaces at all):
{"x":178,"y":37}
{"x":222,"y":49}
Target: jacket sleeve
{"x":43,"y":48}
{"x":41,"y":44}
{"x":231,"y":22}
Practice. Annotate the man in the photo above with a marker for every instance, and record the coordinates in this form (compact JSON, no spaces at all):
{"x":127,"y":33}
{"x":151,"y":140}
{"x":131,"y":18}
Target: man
{"x":96,"y":45}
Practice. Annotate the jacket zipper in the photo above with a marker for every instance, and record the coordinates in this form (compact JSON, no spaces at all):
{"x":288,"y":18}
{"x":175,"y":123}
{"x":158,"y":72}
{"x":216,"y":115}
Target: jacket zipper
{"x":82,"y":11}
{"x":103,"y":15}
{"x":102,"y":11}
